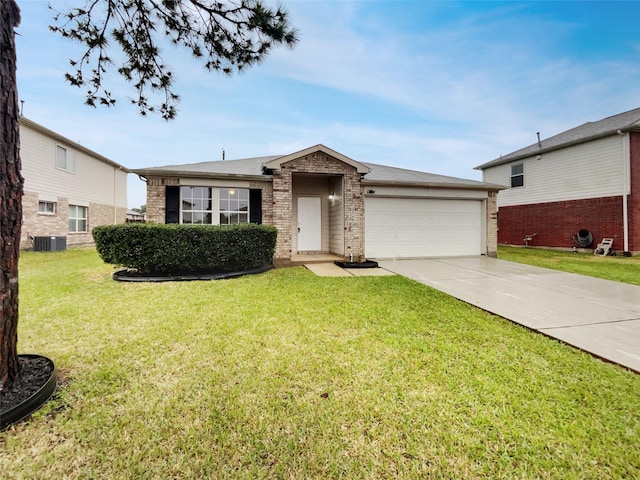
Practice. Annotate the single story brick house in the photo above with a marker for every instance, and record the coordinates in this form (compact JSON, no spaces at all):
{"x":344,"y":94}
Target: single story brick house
{"x":322,"y":201}
{"x":586,"y":178}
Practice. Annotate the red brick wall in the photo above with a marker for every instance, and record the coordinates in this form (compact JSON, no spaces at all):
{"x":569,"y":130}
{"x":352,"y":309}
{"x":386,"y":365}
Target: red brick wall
{"x":556,"y":222}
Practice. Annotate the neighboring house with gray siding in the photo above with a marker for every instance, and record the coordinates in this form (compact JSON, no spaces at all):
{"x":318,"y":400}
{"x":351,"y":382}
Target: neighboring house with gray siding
{"x":68,"y":189}
{"x":586,"y":178}
{"x":322,"y":201}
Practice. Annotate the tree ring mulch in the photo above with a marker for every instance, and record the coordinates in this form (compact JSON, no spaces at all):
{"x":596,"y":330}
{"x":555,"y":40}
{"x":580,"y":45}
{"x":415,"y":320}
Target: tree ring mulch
{"x":127,"y":275}
{"x":34,"y":385}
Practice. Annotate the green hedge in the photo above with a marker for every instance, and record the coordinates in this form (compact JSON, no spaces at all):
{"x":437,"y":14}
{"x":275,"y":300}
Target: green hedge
{"x":186,"y":249}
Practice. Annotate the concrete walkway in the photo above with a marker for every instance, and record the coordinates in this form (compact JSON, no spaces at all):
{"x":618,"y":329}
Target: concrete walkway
{"x":599,"y":316}
{"x":332,"y":270}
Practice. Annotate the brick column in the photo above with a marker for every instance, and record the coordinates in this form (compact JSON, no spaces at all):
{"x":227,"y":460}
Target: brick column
{"x":281,"y":212}
{"x":354,"y":216}
{"x":156,"y":208}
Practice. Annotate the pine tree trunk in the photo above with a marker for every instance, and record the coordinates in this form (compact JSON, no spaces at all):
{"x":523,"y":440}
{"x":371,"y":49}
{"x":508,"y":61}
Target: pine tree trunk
{"x":11,"y":184}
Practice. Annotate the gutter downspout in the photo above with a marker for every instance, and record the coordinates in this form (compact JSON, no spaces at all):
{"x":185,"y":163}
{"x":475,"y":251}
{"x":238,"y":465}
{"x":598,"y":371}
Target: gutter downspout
{"x":626,"y":186}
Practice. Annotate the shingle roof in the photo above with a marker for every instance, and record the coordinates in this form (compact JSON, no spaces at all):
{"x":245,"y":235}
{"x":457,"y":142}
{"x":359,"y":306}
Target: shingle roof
{"x":246,"y":167}
{"x":383,"y":174}
{"x":252,"y":168}
{"x":623,"y":122}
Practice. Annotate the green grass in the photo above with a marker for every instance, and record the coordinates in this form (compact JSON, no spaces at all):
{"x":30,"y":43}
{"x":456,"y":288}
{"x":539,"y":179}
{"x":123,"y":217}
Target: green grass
{"x":289,"y":375}
{"x":618,"y":268}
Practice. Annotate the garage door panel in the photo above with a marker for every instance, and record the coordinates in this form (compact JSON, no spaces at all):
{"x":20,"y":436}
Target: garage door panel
{"x":400,"y":227}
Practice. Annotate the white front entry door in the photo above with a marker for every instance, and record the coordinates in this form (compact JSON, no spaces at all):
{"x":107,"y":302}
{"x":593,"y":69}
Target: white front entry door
{"x":309,"y":224}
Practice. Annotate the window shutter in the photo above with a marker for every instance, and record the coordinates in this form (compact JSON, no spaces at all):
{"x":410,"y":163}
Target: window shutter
{"x":172,"y":204}
{"x":255,"y":206}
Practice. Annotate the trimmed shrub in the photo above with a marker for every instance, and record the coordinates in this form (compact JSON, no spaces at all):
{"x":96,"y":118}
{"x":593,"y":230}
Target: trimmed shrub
{"x":186,"y":249}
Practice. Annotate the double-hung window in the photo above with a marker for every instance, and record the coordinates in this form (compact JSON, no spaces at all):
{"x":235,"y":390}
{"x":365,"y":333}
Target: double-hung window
{"x":517,"y":175}
{"x":234,"y":206}
{"x":197,"y":205}
{"x":77,"y":219}
{"x":213,"y":206}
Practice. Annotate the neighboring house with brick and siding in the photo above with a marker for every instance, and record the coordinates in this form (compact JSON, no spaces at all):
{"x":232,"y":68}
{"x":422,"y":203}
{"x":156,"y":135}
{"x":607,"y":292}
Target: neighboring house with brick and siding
{"x":587,"y":178}
{"x":324,"y":202}
{"x":68,"y":189}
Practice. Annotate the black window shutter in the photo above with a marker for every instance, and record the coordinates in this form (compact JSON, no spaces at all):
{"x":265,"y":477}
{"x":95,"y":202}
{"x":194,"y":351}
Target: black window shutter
{"x":172,"y":204}
{"x":255,"y":206}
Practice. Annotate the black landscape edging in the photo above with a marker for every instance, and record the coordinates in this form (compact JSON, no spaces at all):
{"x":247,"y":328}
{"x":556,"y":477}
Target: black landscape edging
{"x":128,"y":276}
{"x":34,"y":402}
{"x":365,"y":264}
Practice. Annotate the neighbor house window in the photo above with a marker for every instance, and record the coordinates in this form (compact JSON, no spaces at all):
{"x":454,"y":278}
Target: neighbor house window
{"x":517,"y":175}
{"x":77,"y":219}
{"x":197,"y":205}
{"x":47,"y":208}
{"x":64,"y":159}
{"x":234,"y":206}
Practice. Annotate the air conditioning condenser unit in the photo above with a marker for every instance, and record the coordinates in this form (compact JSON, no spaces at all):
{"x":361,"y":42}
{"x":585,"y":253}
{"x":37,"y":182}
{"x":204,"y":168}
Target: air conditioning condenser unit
{"x":50,"y":244}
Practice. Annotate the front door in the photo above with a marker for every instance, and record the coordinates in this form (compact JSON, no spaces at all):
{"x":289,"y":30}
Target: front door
{"x":309,"y":224}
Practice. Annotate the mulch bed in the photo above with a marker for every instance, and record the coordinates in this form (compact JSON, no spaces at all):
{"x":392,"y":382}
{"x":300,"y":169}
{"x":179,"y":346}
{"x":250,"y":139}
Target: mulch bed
{"x":135,"y":276}
{"x":34,"y":374}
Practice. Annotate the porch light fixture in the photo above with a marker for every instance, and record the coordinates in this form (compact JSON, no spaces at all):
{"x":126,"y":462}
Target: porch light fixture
{"x":331,"y":196}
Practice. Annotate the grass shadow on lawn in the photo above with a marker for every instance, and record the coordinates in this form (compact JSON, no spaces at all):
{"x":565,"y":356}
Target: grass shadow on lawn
{"x":286,"y":374}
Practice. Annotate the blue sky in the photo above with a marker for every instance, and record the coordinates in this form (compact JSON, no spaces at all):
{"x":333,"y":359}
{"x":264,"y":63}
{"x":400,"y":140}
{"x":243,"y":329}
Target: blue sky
{"x":434,"y":86}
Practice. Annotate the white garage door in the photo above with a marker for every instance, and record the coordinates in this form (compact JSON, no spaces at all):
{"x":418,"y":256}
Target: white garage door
{"x":408,"y":227}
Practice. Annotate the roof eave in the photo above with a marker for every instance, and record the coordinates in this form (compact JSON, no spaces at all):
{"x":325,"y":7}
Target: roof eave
{"x":62,"y":139}
{"x":186,"y":174}
{"x":508,"y":159}
{"x":395,"y":183}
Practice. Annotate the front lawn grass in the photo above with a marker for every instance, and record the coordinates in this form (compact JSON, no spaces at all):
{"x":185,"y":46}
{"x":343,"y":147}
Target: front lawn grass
{"x":618,"y":268}
{"x":289,"y":375}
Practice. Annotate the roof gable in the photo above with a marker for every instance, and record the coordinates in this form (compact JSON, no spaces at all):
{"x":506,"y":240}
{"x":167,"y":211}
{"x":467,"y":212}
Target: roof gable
{"x":623,"y":122}
{"x":25,"y":122}
{"x":276,"y":163}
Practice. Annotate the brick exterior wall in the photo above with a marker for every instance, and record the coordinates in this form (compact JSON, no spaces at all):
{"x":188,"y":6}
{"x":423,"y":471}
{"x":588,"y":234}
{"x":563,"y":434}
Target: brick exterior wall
{"x":555,"y":223}
{"x":156,"y":198}
{"x":156,"y":207}
{"x":36,"y":224}
{"x":319,"y":163}
{"x":277,"y":201}
{"x":277,"y":204}
{"x":267,"y":200}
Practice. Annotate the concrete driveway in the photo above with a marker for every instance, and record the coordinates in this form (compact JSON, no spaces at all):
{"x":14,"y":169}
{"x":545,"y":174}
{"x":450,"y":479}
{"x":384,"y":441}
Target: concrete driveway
{"x":599,"y":316}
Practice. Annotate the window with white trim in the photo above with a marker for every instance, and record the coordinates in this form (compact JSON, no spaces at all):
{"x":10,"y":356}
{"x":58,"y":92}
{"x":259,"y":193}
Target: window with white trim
{"x":65,"y":160}
{"x":77,"y":219}
{"x":214,"y":206}
{"x":46,"y":208}
{"x":234,"y":206}
{"x":197,"y":205}
{"x":517,"y":175}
